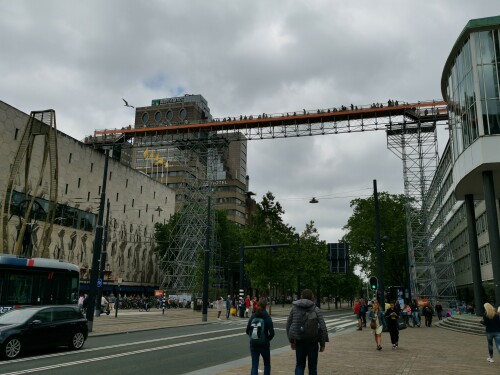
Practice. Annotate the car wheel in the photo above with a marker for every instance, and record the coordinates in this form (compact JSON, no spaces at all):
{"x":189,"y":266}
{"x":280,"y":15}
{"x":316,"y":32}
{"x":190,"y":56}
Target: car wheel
{"x":11,"y":348}
{"x":77,"y":341}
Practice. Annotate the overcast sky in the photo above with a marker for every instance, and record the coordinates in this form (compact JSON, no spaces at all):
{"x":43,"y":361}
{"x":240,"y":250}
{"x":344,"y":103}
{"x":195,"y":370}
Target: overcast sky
{"x":244,"y":57}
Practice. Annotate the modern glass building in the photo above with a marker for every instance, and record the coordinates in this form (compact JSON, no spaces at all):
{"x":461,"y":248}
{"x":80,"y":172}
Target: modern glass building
{"x":470,"y":85}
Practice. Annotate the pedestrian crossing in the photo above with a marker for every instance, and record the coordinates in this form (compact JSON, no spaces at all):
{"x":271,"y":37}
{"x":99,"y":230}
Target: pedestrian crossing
{"x":334,"y":324}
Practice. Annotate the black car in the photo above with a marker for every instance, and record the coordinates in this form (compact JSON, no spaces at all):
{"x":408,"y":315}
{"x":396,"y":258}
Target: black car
{"x":41,"y":327}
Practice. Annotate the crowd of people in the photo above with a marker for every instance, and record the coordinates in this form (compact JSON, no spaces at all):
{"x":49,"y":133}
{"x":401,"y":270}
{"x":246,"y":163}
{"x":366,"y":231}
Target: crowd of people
{"x":394,"y":317}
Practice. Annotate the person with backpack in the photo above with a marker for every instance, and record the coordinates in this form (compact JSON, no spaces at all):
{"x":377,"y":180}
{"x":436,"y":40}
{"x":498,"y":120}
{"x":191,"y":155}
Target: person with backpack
{"x":306,"y":331}
{"x":261,"y":331}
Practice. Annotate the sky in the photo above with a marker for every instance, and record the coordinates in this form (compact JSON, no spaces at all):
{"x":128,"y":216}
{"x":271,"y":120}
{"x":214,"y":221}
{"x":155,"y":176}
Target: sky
{"x":245,"y":57}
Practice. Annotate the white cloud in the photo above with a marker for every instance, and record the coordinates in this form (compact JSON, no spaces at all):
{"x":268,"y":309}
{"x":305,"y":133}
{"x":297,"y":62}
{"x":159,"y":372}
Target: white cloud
{"x":81,"y":58}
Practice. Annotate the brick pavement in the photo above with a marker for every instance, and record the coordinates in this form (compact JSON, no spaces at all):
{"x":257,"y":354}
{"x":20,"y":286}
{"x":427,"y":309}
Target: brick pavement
{"x":422,"y":350}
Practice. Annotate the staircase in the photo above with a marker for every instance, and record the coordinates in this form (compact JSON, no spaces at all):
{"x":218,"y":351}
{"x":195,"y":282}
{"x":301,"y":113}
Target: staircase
{"x":463,"y":323}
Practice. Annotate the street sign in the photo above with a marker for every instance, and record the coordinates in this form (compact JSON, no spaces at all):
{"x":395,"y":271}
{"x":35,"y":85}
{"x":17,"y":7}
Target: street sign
{"x":99,"y":283}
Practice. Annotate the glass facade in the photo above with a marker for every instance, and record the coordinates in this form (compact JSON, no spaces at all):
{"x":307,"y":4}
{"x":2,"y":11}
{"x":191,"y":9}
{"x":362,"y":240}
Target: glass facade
{"x":476,"y":64}
{"x":488,"y":63}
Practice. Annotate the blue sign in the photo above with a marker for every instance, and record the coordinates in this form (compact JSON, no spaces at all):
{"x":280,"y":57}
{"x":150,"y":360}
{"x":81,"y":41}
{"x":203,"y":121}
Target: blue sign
{"x":99,"y":283}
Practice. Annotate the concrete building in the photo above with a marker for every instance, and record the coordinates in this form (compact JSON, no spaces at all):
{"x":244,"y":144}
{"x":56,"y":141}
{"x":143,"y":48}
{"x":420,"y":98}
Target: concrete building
{"x":137,"y":202}
{"x":466,"y":188}
{"x":165,"y":161}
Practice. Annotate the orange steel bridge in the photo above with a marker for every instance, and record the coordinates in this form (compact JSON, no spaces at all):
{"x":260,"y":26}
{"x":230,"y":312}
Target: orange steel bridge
{"x":290,"y":124}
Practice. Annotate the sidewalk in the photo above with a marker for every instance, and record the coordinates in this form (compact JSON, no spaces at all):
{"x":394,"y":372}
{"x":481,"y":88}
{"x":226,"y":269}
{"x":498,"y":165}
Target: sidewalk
{"x":422,"y":350}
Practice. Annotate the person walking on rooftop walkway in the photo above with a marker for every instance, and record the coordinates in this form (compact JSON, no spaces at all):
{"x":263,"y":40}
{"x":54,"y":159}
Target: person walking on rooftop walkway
{"x":491,"y":321}
{"x":392,"y":316}
{"x":377,"y":321}
{"x":261,"y":331}
{"x":299,"y":329}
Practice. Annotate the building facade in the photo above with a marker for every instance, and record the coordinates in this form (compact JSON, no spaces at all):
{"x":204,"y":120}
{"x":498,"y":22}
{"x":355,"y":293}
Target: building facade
{"x":171,"y":163}
{"x":466,"y":188}
{"x":137,"y":202}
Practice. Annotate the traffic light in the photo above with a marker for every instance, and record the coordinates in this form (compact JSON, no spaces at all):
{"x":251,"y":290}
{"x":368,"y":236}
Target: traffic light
{"x":373,"y":283}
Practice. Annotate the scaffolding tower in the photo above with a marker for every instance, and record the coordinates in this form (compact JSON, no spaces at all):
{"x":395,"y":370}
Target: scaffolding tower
{"x":180,"y":263}
{"x":430,"y":267}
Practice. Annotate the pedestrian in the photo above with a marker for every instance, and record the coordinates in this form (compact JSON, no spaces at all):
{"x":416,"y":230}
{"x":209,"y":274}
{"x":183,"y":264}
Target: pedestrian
{"x":415,"y":313}
{"x":392,"y":315}
{"x":219,"y":304}
{"x":248,"y":306}
{"x":357,"y":311}
{"x":377,"y":322}
{"x":491,"y":321}
{"x":228,"y":306}
{"x":303,"y":311}
{"x":261,"y":331}
{"x":362,"y":311}
{"x":428,"y":312}
{"x":439,"y":310}
{"x":80,"y":302}
{"x":255,"y":302}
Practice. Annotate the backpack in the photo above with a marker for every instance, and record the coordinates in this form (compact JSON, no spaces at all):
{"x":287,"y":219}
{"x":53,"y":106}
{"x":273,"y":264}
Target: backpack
{"x":310,"y":327}
{"x":257,"y":331}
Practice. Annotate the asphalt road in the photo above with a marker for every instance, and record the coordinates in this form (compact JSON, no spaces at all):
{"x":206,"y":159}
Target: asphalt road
{"x":177,"y":350}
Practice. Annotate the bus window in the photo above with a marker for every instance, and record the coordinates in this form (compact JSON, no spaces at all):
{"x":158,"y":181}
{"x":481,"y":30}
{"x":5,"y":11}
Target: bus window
{"x":20,"y":287}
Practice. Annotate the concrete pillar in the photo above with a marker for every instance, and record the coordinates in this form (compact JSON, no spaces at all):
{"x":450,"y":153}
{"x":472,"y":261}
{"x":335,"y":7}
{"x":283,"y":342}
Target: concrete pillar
{"x":493,"y":234}
{"x":474,"y":255}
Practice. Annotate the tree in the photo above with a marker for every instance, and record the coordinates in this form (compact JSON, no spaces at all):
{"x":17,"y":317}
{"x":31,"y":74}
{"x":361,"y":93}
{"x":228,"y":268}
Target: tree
{"x":362,"y":238}
{"x":268,"y":266}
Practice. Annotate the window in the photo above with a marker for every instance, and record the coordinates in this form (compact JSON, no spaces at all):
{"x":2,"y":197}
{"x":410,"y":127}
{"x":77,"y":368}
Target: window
{"x":79,"y":182}
{"x":88,"y":196}
{"x":158,"y":116}
{"x":16,"y":133}
{"x":70,"y":156}
{"x":133,"y":202}
{"x":110,"y":175}
{"x":126,"y":183}
{"x":91,"y":167}
{"x":117,"y":194}
{"x":66,"y":189}
{"x":124,"y":208}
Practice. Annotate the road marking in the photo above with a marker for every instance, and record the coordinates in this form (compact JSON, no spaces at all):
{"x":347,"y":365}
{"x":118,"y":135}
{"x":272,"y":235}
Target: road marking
{"x":119,"y":355}
{"x":115,"y":346}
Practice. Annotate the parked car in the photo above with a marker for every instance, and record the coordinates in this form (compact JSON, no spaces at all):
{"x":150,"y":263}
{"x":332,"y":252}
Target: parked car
{"x":40,"y":327}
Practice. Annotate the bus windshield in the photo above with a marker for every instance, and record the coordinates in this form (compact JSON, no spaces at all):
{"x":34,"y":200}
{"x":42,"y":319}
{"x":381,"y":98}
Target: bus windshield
{"x":37,"y":281}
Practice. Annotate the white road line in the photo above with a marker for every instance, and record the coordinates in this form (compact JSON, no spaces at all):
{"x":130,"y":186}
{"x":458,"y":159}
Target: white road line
{"x":116,"y":346}
{"x":119,"y":355}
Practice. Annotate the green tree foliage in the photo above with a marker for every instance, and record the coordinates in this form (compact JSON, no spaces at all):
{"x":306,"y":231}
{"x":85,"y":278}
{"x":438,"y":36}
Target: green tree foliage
{"x":362,"y":238}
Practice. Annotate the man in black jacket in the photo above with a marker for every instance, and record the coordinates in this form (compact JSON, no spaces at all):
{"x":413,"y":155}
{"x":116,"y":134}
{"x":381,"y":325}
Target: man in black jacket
{"x":306,"y":350}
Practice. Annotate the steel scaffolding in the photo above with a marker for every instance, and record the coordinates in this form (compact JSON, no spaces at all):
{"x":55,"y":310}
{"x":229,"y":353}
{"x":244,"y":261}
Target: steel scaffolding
{"x":182,"y":271}
{"x":430,"y":267}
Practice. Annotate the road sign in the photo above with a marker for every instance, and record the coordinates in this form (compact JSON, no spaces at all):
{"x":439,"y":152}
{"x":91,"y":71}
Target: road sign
{"x":99,"y":283}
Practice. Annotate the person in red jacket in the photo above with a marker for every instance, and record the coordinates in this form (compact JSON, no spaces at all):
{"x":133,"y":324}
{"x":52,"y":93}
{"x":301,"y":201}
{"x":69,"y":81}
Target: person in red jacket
{"x":357,"y":311}
{"x":248,"y":306}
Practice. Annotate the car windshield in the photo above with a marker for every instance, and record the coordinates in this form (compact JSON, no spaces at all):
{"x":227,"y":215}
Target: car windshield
{"x":16,"y":316}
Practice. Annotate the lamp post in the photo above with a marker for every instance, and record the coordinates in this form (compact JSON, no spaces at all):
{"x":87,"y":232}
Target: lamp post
{"x":97,"y":249}
{"x":379,"y":249}
{"x":207,"y":265}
